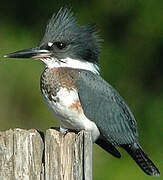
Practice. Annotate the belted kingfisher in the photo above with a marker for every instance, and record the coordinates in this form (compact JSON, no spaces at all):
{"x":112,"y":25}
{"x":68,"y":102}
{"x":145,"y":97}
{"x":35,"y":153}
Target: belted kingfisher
{"x":75,"y":92}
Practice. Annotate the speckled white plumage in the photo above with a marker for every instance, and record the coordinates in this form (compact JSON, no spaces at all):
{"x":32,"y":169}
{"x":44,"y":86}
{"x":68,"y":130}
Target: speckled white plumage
{"x":67,"y":109}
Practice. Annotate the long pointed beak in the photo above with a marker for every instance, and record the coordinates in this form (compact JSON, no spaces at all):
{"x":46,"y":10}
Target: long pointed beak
{"x":29,"y":53}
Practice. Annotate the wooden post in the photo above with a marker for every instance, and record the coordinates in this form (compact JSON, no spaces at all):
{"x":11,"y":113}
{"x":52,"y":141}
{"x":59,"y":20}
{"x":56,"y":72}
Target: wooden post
{"x":64,"y":157}
{"x":20,"y":154}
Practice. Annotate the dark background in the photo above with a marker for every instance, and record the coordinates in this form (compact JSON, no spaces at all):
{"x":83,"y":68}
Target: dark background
{"x":131,"y":60}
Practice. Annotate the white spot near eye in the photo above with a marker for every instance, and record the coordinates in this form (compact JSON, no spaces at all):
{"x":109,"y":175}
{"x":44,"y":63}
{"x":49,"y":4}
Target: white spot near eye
{"x":50,"y":44}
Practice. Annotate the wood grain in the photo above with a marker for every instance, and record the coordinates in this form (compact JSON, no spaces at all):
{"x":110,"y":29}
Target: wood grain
{"x":24,"y":156}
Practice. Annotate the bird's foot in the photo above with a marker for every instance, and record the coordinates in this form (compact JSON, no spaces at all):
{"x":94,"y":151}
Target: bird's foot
{"x":63,"y":130}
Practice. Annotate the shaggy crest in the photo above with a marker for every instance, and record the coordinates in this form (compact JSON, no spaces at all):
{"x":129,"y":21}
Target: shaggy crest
{"x":63,"y":27}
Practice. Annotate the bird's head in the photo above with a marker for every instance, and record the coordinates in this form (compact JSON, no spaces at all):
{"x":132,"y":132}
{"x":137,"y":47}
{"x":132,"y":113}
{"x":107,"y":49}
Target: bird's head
{"x":66,"y":44}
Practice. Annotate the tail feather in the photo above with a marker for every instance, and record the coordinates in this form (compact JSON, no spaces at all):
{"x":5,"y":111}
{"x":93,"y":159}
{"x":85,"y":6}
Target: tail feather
{"x":102,"y":142}
{"x":141,"y":158}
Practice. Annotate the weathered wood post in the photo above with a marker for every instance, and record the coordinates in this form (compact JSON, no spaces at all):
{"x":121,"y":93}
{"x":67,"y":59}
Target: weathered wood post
{"x":20,"y":154}
{"x":24,"y":156}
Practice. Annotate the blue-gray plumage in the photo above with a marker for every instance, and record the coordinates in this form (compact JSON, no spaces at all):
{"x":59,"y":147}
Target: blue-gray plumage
{"x":103,"y":105}
{"x":75,"y":92}
{"x":68,"y":31}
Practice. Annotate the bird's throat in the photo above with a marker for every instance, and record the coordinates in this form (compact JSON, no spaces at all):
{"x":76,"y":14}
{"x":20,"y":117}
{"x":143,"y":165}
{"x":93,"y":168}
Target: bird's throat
{"x":51,"y":62}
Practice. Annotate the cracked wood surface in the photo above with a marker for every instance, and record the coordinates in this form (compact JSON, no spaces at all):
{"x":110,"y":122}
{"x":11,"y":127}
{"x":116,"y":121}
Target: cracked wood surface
{"x":24,"y":156}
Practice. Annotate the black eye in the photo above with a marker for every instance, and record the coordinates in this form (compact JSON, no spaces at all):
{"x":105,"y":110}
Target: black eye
{"x":60,"y":45}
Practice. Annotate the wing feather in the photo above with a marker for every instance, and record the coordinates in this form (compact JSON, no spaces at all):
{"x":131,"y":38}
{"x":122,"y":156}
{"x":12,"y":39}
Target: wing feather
{"x":103,"y":105}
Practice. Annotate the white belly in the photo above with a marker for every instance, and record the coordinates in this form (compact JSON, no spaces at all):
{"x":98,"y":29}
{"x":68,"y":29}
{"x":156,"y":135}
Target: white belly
{"x":67,"y":109}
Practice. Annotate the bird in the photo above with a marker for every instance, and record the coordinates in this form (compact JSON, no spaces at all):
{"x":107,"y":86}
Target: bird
{"x":76,"y":94}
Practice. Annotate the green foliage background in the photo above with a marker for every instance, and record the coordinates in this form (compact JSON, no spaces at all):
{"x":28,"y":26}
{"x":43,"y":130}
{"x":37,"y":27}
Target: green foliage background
{"x":131,"y":60}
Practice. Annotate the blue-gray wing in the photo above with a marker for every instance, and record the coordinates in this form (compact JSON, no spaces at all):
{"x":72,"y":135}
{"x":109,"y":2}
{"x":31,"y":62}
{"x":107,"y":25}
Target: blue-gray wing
{"x":103,"y":105}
